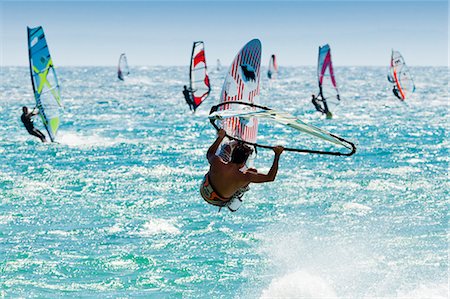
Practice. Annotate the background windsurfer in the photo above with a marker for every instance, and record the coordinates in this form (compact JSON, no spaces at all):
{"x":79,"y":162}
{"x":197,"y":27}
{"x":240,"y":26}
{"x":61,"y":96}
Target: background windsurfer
{"x":28,"y":123}
{"x":188,"y":97}
{"x":272,"y":67}
{"x":315,"y":100}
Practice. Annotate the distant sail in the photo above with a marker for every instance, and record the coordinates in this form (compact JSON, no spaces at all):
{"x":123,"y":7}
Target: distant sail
{"x":219,"y":65}
{"x":400,"y":76}
{"x":45,"y":83}
{"x":327,"y":83}
{"x":273,"y":67}
{"x":198,"y":75}
{"x":122,"y":69}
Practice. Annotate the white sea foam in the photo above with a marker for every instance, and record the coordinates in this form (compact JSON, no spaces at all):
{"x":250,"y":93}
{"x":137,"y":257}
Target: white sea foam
{"x":73,"y":139}
{"x":158,"y":226}
{"x":116,"y":228}
{"x":429,"y":291}
{"x":122,"y":264}
{"x":5,"y":219}
{"x":61,"y":233}
{"x":351,"y":208}
{"x":100,"y":286}
{"x":359,"y":208}
{"x":299,"y":284}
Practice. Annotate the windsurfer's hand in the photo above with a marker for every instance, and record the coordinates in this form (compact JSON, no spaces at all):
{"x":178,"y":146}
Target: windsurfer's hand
{"x":278,"y":150}
{"x":252,"y":170}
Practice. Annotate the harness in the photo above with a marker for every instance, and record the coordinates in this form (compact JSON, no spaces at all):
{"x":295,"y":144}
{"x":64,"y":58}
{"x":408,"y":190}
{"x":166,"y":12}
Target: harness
{"x":210,"y":196}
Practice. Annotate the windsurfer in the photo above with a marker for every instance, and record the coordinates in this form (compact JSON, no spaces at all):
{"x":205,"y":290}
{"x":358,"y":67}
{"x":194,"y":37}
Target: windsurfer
{"x":324,"y":110}
{"x":316,"y":104}
{"x":225,"y":183}
{"x":395,"y":91}
{"x":271,"y":64}
{"x":28,"y":123}
{"x":188,"y":97}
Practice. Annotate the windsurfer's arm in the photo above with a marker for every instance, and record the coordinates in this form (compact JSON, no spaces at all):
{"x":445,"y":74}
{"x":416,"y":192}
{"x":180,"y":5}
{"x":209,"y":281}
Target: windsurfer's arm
{"x":213,"y":148}
{"x":254,"y":177}
{"x":32,"y":113}
{"x":251,"y":170}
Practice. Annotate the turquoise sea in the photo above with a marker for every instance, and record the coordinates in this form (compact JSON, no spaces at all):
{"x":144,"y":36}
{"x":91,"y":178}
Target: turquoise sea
{"x":113,"y":210}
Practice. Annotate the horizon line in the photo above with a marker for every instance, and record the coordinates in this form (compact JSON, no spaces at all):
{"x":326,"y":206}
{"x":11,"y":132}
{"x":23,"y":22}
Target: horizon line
{"x":213,"y":65}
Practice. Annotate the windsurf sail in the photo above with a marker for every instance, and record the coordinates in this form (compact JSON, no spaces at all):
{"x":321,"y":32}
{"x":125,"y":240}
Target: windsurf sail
{"x":261,"y":112}
{"x":218,"y":65}
{"x":198,"y":75}
{"x":273,"y":67}
{"x":400,"y":76}
{"x":122,"y":69}
{"x":325,"y":74}
{"x":44,"y":80}
{"x":242,"y":85}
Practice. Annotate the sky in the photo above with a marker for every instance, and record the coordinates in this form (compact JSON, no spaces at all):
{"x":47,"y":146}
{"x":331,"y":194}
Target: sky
{"x":360,"y":33}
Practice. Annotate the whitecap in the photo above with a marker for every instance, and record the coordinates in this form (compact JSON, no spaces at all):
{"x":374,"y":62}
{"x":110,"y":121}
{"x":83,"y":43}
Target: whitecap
{"x":158,"y":226}
{"x":300,"y":284}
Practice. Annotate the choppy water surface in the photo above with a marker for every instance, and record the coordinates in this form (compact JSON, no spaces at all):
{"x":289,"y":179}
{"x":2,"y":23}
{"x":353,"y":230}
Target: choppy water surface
{"x":114,"y":210}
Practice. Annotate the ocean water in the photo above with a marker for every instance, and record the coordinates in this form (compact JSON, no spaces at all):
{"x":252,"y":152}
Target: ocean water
{"x":113,"y":210}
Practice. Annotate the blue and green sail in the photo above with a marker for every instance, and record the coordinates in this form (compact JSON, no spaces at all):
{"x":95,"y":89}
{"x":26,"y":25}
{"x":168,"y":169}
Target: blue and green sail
{"x":44,"y":80}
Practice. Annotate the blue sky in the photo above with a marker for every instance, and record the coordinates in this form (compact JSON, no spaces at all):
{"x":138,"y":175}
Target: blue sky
{"x":161,"y":33}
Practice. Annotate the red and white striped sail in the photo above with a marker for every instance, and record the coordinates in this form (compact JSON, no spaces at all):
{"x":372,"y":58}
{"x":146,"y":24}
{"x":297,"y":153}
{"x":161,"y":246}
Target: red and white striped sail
{"x":198,"y":75}
{"x":242,"y":84}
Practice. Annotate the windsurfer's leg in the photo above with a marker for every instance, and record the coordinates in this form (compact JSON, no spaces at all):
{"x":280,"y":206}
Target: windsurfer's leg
{"x":192,"y":102}
{"x":33,"y":133}
{"x":38,"y":134}
{"x":395,"y":91}
{"x":189,"y":102}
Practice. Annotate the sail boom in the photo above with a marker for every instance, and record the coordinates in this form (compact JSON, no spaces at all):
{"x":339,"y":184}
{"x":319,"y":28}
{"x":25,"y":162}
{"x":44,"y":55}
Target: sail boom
{"x":282,"y":118}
